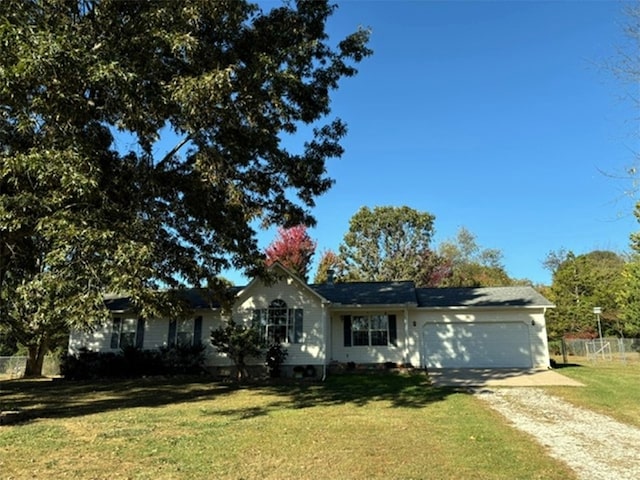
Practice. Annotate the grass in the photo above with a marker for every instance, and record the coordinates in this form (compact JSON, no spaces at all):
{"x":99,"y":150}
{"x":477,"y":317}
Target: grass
{"x":611,"y":387}
{"x":387,"y":426}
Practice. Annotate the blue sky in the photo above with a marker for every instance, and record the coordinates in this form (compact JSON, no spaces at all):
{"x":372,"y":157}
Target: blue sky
{"x":493,"y":116}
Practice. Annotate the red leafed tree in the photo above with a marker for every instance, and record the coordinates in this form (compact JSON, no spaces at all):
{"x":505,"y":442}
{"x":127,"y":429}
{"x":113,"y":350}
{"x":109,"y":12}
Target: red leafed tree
{"x":294,"y":249}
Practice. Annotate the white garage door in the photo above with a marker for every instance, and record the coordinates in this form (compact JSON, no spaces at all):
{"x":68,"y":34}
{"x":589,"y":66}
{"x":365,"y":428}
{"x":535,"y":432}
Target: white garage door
{"x":476,"y":345}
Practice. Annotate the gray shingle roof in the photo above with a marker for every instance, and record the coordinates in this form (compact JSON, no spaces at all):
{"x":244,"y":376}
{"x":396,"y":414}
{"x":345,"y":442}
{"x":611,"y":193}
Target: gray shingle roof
{"x":384,"y":293}
{"x":196,"y":298}
{"x":117,"y":303}
{"x":368,"y":293}
{"x":481,"y":297}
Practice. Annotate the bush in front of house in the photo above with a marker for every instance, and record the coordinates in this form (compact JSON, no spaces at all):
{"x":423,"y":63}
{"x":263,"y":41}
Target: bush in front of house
{"x":275,"y":357}
{"x":182,"y":359}
{"x":133,"y":362}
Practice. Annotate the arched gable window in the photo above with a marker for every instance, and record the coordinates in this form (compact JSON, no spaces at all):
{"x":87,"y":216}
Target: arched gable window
{"x":279,"y":323}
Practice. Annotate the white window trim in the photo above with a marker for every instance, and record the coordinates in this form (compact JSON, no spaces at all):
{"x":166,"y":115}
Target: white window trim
{"x":368,"y":319}
{"x":266,"y":322}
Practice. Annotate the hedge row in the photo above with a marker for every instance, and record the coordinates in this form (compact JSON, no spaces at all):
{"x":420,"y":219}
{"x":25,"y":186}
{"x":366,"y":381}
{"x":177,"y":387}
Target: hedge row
{"x":133,"y":362}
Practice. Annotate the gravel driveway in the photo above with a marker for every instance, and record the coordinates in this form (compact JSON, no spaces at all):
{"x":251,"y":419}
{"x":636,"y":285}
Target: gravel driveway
{"x":593,"y":445}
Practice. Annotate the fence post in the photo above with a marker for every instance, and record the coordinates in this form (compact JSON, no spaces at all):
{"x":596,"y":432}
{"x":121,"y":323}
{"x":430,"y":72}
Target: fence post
{"x":621,"y":350}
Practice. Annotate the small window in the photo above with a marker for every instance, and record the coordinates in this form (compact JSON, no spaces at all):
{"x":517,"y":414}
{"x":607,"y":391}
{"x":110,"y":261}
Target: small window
{"x":379,"y":330}
{"x":123,"y":332}
{"x":185,"y":332}
{"x":369,"y":330}
{"x":360,"y":330}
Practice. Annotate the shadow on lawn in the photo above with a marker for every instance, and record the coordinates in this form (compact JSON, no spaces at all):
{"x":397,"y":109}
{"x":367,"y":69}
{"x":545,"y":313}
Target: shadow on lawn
{"x":44,"y":398}
{"x":400,"y":390}
{"x":565,"y":365}
{"x":35,"y":399}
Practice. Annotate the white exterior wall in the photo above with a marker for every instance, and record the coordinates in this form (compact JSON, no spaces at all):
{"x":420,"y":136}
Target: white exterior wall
{"x":97,"y":340}
{"x":156,"y":333}
{"x":532,"y":318}
{"x":311,"y":350}
{"x":323,"y":330}
{"x":368,"y":354}
{"x":211,"y":322}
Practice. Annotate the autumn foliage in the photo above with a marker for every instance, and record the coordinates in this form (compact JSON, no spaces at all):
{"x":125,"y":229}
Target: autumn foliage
{"x":293,"y":248}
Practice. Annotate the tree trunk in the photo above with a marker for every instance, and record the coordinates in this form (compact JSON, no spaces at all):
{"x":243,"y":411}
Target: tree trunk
{"x":35,"y":360}
{"x":241,"y":370}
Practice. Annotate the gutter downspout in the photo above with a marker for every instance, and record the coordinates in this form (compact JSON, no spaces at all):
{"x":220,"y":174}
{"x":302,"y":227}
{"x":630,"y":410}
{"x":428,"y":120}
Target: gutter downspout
{"x":406,"y":334}
{"x":327,"y":342}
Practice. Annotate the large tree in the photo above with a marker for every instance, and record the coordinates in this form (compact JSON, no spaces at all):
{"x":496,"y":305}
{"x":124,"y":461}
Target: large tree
{"x":628,"y":69}
{"x":330,"y":268}
{"x":581,"y":283}
{"x":471,"y":265}
{"x":387,"y":243}
{"x":628,"y":296}
{"x":628,"y":299}
{"x":140,"y":142}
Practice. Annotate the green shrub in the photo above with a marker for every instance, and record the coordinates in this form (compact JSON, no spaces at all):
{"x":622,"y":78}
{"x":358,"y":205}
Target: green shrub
{"x":276,"y":356}
{"x":555,"y":347}
{"x":182,"y":359}
{"x":133,"y":362}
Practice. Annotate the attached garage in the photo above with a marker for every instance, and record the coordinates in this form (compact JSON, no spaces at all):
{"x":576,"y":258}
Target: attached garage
{"x":492,"y":327}
{"x":477,"y":345}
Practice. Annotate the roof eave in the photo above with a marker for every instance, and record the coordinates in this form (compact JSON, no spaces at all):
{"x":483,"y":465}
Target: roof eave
{"x":492,"y":307}
{"x":374,"y":305}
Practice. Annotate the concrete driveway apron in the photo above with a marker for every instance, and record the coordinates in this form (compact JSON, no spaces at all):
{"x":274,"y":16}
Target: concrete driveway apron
{"x":507,"y":377}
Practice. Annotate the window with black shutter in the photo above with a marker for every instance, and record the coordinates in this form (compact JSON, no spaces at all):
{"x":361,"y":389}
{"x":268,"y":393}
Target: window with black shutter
{"x":370,"y":330}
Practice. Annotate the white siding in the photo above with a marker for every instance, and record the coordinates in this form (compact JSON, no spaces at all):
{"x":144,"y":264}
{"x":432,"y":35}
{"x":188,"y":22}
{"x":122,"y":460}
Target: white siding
{"x":97,"y":340}
{"x":156,"y":333}
{"x":367,"y":354}
{"x":258,"y":295}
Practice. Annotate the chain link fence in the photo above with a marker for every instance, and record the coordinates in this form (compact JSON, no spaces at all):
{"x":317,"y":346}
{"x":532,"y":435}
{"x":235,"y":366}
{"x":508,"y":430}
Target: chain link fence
{"x":12,"y":367}
{"x":15,"y":366}
{"x":597,"y":350}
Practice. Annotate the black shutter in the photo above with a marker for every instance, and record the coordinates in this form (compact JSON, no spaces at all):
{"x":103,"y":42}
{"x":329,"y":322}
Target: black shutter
{"x":115,"y":332}
{"x":140,"y":333}
{"x":173,"y":326}
{"x":393,"y":330}
{"x":346,"y":319}
{"x":197,"y":331}
{"x":297,"y":325}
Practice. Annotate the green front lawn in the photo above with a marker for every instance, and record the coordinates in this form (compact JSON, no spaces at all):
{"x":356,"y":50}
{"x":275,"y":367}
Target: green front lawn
{"x":611,"y":387}
{"x":391,"y":426}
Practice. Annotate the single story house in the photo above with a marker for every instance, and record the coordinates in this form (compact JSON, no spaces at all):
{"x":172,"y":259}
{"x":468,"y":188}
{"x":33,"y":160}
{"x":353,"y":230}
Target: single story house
{"x":353,"y":323}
